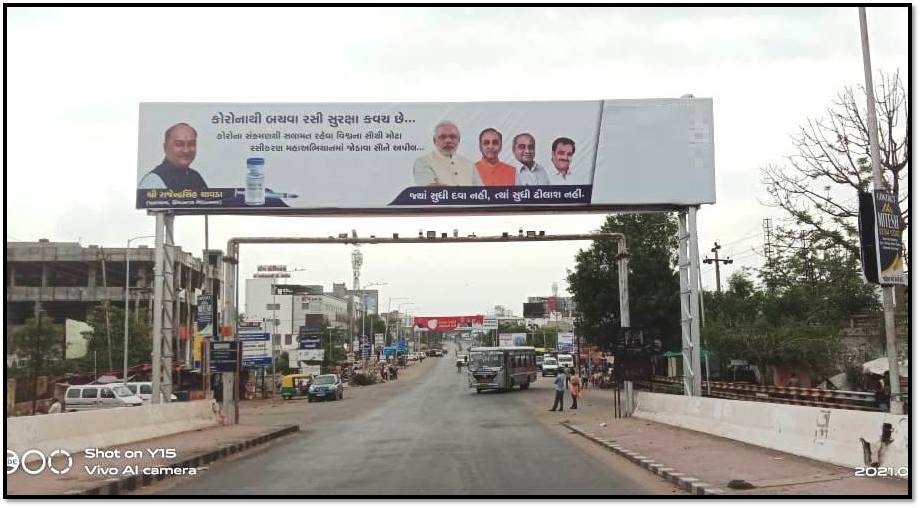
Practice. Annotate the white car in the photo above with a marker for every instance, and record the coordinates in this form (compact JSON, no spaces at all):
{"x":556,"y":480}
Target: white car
{"x":549,"y":367}
{"x":87,"y":397}
{"x":144,"y":390}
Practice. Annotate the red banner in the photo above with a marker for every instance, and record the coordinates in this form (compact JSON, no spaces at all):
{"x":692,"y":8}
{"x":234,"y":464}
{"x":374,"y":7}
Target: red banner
{"x":446,"y":323}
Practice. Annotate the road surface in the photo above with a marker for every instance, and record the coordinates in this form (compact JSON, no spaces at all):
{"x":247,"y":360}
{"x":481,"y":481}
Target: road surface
{"x":434,"y":438}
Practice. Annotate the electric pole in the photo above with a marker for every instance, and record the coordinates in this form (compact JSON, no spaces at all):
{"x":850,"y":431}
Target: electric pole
{"x":716,"y":259}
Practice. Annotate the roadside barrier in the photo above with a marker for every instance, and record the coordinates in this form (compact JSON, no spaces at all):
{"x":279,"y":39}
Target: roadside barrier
{"x":826,"y":434}
{"x":107,"y":427}
{"x":815,"y":397}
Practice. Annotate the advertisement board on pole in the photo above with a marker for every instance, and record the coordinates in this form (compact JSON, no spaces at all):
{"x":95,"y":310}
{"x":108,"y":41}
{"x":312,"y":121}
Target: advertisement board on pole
{"x":564,"y":341}
{"x":505,"y":339}
{"x":879,"y":222}
{"x":204,"y":310}
{"x":277,"y":158}
{"x":223,"y":356}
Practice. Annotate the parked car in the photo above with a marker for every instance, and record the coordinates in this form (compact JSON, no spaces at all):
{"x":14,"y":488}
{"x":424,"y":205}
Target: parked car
{"x":144,"y":390}
{"x":462,"y":360}
{"x":324,"y":387}
{"x":87,"y":397}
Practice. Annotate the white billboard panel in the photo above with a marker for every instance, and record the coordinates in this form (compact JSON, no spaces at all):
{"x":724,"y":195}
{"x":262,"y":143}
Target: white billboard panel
{"x":296,"y":356}
{"x":435,"y":157}
{"x":564,"y":341}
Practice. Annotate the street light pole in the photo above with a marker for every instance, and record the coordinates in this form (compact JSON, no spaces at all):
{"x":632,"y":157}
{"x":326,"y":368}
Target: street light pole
{"x":364,"y":307}
{"x":400,"y":312}
{"x":389,"y":303}
{"x":895,"y":400}
{"x":127,"y":292}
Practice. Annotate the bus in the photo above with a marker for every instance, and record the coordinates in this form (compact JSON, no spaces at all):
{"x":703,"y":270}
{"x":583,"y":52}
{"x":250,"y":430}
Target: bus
{"x":501,"y":368}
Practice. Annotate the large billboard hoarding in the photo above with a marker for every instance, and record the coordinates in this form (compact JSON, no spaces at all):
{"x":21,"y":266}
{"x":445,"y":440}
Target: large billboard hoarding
{"x":392,"y":158}
{"x":443,"y":324}
{"x":513,"y":339}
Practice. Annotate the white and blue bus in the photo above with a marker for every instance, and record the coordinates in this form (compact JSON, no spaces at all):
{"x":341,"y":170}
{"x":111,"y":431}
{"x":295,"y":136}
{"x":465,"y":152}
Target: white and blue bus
{"x":501,"y":368}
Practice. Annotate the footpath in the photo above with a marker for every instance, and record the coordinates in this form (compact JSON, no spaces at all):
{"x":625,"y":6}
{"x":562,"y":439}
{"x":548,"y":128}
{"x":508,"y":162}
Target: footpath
{"x":696,"y":461}
{"x":186,"y":453}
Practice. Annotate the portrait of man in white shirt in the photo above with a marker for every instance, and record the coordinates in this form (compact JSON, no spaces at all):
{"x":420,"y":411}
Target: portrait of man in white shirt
{"x":562,"y":152}
{"x":443,"y":166}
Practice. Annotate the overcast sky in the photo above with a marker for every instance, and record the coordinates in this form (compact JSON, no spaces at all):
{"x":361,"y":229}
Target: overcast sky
{"x":75,"y":77}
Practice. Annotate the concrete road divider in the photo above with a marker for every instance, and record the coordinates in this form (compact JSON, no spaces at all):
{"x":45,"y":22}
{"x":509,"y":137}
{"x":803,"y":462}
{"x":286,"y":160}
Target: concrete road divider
{"x":825,"y":434}
{"x":102,"y":428}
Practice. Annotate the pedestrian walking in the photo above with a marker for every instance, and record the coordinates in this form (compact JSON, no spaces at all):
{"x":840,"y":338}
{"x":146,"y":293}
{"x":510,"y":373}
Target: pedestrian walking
{"x":575,"y":388}
{"x":559,"y":389}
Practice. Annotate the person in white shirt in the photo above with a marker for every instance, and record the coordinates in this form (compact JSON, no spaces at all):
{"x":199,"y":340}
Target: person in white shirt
{"x":443,"y":166}
{"x":528,"y":172}
{"x":55,"y":406}
{"x":561,"y":154}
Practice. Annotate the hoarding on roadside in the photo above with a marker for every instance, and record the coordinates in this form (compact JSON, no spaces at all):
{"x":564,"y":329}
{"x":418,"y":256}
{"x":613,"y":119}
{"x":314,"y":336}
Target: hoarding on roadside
{"x":446,"y":323}
{"x":879,"y":224}
{"x":564,"y":341}
{"x":307,"y":158}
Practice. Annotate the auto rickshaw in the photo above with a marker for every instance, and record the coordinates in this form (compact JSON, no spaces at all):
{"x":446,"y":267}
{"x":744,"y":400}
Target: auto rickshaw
{"x":295,"y":385}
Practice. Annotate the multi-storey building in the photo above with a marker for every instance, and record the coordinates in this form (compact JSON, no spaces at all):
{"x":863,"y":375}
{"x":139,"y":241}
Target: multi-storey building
{"x":65,"y":280}
{"x":284,"y":314}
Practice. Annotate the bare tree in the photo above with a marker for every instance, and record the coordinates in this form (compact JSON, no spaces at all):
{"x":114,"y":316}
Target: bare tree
{"x":831,"y":163}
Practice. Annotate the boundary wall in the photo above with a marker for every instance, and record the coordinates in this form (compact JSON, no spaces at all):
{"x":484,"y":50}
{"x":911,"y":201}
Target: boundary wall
{"x":101,"y":428}
{"x":824,"y":434}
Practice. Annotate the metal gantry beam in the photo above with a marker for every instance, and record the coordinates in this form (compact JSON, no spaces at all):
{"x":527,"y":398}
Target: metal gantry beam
{"x":416,"y":239}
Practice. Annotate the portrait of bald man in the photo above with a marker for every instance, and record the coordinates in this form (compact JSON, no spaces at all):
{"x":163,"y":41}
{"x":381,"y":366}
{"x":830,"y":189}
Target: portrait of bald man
{"x":180,"y":145}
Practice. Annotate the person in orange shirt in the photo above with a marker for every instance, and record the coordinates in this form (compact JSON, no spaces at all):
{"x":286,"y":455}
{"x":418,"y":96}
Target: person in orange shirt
{"x":493,"y":172}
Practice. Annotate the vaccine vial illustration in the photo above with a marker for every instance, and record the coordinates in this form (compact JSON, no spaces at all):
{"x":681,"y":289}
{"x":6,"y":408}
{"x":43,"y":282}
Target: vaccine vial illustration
{"x":255,"y":181}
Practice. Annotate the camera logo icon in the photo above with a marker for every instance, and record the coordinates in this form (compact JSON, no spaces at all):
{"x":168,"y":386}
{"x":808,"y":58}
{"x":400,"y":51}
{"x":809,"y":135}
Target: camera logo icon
{"x":12,"y":461}
{"x":34,"y":462}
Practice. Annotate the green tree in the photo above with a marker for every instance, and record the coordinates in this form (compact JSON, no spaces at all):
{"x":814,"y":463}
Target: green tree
{"x":652,"y":244}
{"x":797,"y":319}
{"x":41,"y":343}
{"x":140,"y":344}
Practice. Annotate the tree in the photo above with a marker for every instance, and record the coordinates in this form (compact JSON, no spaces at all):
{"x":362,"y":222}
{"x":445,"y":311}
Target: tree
{"x":140,"y":344}
{"x":797,"y":319}
{"x":831,"y":163}
{"x":41,"y":343}
{"x":652,"y":244}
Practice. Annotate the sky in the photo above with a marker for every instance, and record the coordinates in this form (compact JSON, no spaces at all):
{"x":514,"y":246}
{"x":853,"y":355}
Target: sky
{"x":75,"y":77}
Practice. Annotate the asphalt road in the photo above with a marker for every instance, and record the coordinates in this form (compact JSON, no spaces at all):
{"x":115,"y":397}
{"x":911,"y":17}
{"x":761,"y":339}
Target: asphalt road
{"x":435,"y":438}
